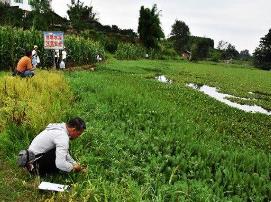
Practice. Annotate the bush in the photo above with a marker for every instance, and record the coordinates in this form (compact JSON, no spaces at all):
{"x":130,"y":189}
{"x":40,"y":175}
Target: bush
{"x":195,"y":52}
{"x":111,"y":45}
{"x":215,"y":55}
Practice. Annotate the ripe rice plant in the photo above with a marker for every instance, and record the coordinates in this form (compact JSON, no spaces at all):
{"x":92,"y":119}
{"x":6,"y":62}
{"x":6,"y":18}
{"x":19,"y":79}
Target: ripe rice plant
{"x":33,"y":102}
{"x":28,"y":105}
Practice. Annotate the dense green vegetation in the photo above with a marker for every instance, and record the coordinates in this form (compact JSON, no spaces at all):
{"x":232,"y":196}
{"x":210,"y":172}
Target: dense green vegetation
{"x":41,"y":18}
{"x":153,"y":141}
{"x":262,"y":54}
{"x":15,"y":42}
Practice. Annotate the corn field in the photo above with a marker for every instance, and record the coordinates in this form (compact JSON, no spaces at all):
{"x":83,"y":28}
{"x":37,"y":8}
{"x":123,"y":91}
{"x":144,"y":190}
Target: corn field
{"x":15,"y":42}
{"x":127,"y":51}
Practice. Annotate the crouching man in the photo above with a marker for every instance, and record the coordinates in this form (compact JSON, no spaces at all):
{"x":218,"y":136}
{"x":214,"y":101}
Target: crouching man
{"x":24,"y":67}
{"x":48,"y":152}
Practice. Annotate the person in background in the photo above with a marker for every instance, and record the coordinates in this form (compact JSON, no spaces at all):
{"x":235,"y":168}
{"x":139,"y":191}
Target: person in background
{"x":51,"y":146}
{"x":57,"y":58}
{"x":35,"y":57}
{"x":64,"y":55}
{"x":24,"y":67}
{"x":63,"y":59}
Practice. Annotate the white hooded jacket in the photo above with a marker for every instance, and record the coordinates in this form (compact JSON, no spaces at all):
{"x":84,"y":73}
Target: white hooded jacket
{"x":54,"y":136}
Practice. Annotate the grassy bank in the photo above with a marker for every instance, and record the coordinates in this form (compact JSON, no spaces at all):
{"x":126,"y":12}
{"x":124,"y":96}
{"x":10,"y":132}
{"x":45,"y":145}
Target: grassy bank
{"x":153,"y":141}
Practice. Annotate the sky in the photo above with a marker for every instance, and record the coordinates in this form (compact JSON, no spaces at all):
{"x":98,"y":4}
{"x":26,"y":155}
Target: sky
{"x":239,"y":22}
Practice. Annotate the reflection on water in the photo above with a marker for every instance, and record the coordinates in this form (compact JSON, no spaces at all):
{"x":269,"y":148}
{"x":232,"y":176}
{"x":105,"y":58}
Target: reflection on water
{"x":163,"y":79}
{"x":212,"y":92}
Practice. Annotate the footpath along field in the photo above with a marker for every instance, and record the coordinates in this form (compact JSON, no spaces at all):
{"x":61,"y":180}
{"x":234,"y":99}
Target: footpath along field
{"x":153,"y":141}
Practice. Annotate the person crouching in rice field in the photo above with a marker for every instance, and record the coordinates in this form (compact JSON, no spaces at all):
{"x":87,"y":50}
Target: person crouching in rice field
{"x":48,"y":153}
{"x":24,"y":67}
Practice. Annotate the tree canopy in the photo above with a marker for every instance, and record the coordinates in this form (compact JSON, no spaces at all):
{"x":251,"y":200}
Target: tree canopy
{"x":149,"y":27}
{"x":81,"y":17}
{"x":180,"y":35}
{"x":228,"y":51}
{"x":244,"y":54}
{"x":41,"y":14}
{"x":262,"y":54}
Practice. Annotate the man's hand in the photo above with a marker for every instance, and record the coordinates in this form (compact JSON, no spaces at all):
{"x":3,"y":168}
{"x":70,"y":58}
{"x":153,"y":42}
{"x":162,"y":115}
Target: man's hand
{"x":76,"y":168}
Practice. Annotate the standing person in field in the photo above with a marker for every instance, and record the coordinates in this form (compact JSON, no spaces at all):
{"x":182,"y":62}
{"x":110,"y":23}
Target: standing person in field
{"x":35,"y":57}
{"x":24,"y":67}
{"x":64,"y":55}
{"x":56,"y":58}
{"x":49,"y":149}
{"x":63,"y":59}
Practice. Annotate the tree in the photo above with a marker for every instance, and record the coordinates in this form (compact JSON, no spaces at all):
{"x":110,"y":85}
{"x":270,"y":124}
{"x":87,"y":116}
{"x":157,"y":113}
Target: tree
{"x":115,"y":29}
{"x":262,"y":54}
{"x":41,"y":14}
{"x":228,"y":51}
{"x":180,"y":36}
{"x":12,"y":16}
{"x":222,"y":45}
{"x":200,"y":47}
{"x":149,"y":29}
{"x":244,"y":54}
{"x":81,"y":17}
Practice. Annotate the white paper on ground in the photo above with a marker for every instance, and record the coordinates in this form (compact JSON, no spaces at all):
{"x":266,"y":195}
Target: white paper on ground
{"x":53,"y":187}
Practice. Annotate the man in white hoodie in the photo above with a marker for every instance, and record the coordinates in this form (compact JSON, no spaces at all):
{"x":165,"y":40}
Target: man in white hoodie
{"x":51,"y":148}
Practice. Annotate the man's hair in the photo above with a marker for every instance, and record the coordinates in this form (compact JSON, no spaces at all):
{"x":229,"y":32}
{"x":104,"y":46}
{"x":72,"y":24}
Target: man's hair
{"x":28,"y":53}
{"x":76,"y":123}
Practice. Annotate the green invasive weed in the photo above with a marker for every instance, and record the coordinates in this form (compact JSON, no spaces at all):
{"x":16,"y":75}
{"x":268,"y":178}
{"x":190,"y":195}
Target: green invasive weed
{"x":168,"y":142}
